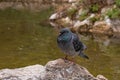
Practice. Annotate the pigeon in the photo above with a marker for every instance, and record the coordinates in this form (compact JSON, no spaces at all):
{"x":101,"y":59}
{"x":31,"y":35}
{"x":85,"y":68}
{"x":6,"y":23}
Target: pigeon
{"x":70,"y":44}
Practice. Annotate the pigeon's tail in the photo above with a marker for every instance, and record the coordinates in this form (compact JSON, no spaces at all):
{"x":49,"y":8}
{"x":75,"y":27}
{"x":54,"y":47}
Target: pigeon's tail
{"x":83,"y":55}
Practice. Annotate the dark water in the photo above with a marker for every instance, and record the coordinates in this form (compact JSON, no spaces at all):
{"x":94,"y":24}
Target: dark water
{"x":26,"y":38}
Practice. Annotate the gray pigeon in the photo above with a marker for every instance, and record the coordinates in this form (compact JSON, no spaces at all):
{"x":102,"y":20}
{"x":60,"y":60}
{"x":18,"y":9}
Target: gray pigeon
{"x":70,"y":44}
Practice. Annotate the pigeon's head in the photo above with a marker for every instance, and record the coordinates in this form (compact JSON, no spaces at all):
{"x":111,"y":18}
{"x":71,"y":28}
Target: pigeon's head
{"x":64,"y":35}
{"x":65,"y":31}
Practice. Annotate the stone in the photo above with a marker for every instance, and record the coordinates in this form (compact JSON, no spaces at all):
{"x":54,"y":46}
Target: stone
{"x":83,"y":25}
{"x":61,"y":70}
{"x":53,"y":16}
{"x":55,"y":25}
{"x":72,"y":1}
{"x":105,"y":10}
{"x":18,"y":6}
{"x":30,"y":72}
{"x":101,"y":27}
{"x":34,"y":5}
{"x":58,"y":69}
{"x":110,"y":2}
{"x":108,"y":21}
{"x":77,"y":24}
{"x":101,"y":77}
{"x":67,"y":20}
{"x":4,"y":5}
{"x":116,"y":25}
{"x":82,"y":11}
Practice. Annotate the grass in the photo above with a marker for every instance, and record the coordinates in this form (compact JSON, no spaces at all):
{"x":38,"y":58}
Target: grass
{"x":117,"y":2}
{"x":94,"y":19}
{"x":71,"y":12}
{"x":114,"y":13}
{"x":83,"y":16}
{"x":94,"y":8}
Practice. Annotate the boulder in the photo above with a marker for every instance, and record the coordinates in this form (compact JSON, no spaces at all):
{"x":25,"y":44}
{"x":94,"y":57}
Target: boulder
{"x":4,"y":5}
{"x":27,"y":73}
{"x":72,"y":1}
{"x":54,"y":16}
{"x":102,"y":27}
{"x":84,"y":25}
{"x":54,"y":70}
{"x":116,"y":25}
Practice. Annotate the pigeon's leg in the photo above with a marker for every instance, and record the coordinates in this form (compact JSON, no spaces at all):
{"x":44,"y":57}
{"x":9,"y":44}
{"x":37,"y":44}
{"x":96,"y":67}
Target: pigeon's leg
{"x":72,"y":60}
{"x":66,"y":57}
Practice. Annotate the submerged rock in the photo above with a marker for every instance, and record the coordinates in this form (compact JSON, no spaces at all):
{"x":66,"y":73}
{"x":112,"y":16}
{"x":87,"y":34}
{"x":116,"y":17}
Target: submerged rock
{"x":53,"y":70}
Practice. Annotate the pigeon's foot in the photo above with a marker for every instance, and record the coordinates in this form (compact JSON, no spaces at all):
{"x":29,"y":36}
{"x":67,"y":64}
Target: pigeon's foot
{"x":66,"y":59}
{"x":71,"y":61}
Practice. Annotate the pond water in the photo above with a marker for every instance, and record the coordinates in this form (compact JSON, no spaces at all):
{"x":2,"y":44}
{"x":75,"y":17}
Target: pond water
{"x":26,"y":38}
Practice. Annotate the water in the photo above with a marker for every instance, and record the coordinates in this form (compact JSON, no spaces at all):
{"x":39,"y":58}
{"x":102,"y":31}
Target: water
{"x":26,"y":38}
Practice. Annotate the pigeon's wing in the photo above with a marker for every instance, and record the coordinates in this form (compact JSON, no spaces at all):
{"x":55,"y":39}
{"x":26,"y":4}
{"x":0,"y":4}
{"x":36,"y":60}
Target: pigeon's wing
{"x":77,"y":44}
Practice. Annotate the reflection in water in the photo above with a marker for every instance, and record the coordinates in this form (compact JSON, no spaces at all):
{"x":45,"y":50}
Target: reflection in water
{"x":27,"y":40}
{"x":108,"y":46}
{"x":106,"y":40}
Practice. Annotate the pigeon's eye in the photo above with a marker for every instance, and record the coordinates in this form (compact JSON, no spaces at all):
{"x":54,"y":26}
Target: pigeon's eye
{"x":59,"y":33}
{"x":66,"y":32}
{"x":63,"y":32}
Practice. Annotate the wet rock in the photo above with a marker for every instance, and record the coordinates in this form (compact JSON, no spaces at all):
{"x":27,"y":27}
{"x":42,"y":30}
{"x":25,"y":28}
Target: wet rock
{"x":54,"y":16}
{"x":34,"y":5}
{"x":19,"y":5}
{"x":110,"y":2}
{"x":67,"y":20}
{"x":72,"y":1}
{"x":55,"y":25}
{"x":116,"y":25}
{"x":82,"y":26}
{"x":55,"y":1}
{"x":57,"y":16}
{"x":85,"y":24}
{"x":101,"y":77}
{"x":53,"y":70}
{"x":82,"y":12}
{"x":101,"y":27}
{"x":4,"y":5}
{"x":105,"y":10}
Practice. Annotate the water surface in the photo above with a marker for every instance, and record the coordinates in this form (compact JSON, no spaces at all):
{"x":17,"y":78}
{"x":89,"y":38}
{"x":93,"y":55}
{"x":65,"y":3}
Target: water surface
{"x":26,"y":38}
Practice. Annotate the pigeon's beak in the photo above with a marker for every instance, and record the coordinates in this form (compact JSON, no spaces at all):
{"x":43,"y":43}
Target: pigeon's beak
{"x":59,"y":33}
